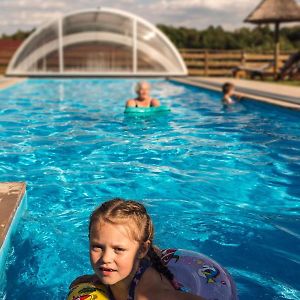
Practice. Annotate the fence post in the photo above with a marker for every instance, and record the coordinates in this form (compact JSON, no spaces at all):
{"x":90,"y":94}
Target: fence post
{"x":206,"y":66}
{"x":243,"y":57}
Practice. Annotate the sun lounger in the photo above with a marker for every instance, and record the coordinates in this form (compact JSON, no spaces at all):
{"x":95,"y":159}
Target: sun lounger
{"x":290,"y":69}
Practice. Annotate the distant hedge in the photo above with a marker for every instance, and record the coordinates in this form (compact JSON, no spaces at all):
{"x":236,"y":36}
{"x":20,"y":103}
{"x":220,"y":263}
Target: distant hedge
{"x":257,"y":38}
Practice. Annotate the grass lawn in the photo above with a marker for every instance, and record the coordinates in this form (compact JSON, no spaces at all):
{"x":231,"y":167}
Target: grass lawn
{"x":290,"y":82}
{"x":285,"y":82}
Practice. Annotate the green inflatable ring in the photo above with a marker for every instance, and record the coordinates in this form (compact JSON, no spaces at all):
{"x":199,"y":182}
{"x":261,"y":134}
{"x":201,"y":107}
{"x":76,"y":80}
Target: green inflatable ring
{"x":146,"y":110}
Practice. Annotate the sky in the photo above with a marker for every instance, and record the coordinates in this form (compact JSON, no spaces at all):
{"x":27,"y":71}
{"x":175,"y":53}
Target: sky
{"x":28,"y":14}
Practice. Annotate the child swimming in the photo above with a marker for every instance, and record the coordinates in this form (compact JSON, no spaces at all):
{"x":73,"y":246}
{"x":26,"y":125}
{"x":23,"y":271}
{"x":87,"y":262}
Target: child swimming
{"x":228,"y":90}
{"x":124,"y":258}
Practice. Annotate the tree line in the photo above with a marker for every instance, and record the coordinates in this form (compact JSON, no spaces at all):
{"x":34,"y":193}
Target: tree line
{"x":260,"y":38}
{"x":257,"y":38}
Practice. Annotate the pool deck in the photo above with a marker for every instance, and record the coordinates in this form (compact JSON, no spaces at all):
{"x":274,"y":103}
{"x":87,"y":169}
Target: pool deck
{"x":273,"y":93}
{"x":6,"y":82}
{"x":11,"y":195}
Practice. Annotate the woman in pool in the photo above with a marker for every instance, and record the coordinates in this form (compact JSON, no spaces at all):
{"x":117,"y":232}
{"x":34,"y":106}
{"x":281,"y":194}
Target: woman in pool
{"x":143,"y":98}
{"x":123,"y":256}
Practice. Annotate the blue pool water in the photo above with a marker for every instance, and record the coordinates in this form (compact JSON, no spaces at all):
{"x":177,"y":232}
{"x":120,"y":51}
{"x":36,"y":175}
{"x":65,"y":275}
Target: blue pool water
{"x":224,"y":182}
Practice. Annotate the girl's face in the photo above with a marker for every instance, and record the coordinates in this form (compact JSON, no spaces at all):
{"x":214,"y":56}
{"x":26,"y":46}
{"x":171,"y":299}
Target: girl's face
{"x":113,"y":254}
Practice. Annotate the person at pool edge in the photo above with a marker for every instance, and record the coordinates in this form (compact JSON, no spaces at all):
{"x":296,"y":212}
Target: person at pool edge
{"x":229,"y":94}
{"x":124,"y":258}
{"x":143,"y":98}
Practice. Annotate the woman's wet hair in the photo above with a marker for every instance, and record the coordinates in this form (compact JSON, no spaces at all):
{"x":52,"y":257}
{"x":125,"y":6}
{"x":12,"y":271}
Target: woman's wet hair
{"x":120,"y":211}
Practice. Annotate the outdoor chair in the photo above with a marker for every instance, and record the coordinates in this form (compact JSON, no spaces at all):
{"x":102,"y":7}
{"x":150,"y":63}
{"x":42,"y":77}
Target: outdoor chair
{"x":290,"y":69}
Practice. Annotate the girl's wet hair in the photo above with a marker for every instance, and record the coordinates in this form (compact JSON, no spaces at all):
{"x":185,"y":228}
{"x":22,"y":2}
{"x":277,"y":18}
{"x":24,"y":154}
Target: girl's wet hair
{"x":119,"y":211}
{"x":227,"y":86}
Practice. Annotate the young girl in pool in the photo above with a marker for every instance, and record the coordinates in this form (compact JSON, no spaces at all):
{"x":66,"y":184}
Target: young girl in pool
{"x":229,"y":95}
{"x":123,"y":256}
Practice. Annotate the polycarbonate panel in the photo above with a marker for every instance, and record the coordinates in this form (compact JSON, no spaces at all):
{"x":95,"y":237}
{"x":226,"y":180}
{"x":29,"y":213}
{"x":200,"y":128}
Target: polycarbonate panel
{"x":41,"y":54}
{"x":154,"y":54}
{"x":97,"y":21}
{"x":147,"y":64}
{"x":97,"y":42}
{"x":97,"y":57}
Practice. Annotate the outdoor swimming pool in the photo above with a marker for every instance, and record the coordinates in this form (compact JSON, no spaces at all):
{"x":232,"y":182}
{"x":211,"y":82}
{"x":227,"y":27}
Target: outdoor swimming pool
{"x":221,"y":182}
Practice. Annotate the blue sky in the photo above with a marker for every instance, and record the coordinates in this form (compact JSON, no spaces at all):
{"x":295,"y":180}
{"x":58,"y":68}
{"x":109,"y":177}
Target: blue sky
{"x":27,"y":14}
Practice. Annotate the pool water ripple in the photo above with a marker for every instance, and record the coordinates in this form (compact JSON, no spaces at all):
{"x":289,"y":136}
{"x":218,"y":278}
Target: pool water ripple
{"x":224,"y":182}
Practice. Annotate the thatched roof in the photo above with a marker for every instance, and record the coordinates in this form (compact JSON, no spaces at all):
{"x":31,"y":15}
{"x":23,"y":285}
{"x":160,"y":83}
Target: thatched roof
{"x":271,"y":11}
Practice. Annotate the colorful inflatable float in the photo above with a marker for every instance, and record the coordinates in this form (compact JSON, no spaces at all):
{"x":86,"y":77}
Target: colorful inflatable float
{"x":194,"y":272}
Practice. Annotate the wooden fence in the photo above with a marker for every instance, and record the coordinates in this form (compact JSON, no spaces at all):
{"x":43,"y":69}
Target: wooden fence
{"x":199,"y":62}
{"x":222,"y":62}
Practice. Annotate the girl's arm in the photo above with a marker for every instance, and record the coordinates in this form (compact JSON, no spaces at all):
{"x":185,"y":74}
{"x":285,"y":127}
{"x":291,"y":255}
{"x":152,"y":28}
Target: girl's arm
{"x":239,"y":96}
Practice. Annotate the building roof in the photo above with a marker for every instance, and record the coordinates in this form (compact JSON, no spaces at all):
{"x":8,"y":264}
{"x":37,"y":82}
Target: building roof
{"x":272,"y":11}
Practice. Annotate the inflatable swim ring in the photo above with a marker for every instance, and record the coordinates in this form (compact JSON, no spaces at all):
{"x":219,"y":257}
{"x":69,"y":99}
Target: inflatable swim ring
{"x":199,"y":275}
{"x":88,"y":291}
{"x":146,"y":110}
{"x":194,"y":273}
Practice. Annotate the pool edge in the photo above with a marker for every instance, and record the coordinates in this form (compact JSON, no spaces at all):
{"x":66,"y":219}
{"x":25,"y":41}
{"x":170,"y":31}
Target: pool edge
{"x":6,"y":82}
{"x":247,"y":93}
{"x":13,"y":203}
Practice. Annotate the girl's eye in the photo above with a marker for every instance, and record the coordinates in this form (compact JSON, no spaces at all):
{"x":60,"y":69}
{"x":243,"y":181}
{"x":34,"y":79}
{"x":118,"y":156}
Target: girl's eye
{"x":96,"y":248}
{"x":119,"y":250}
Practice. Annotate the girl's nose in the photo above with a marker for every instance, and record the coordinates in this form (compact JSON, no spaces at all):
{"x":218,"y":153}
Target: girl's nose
{"x":107,"y":256}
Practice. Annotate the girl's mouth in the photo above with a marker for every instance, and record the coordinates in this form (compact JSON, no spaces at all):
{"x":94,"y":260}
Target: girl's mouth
{"x":106,"y":271}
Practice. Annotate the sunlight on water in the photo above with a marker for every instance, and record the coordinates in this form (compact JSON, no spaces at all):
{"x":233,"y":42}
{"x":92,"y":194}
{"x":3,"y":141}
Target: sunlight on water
{"x":224,"y":182}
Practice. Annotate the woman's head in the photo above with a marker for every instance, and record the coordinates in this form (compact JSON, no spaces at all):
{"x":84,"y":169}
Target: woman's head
{"x":121,"y":233}
{"x":142,"y":89}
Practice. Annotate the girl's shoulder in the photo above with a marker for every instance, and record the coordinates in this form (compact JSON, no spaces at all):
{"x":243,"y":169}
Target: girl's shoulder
{"x":154,"y":286}
{"x":151,"y":285}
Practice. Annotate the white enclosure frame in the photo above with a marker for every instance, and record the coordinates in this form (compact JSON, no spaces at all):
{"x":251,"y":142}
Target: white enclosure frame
{"x":173,"y":68}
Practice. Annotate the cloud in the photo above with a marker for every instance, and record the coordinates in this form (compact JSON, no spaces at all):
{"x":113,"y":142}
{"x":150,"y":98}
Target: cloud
{"x":27,"y":14}
{"x":20,"y":4}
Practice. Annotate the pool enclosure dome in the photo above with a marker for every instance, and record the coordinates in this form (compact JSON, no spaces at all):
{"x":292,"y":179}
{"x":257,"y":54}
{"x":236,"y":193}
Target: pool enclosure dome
{"x":101,"y":42}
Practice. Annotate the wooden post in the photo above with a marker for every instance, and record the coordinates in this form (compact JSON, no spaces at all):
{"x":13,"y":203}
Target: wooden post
{"x":277,"y":50}
{"x":243,"y":58}
{"x":206,"y":63}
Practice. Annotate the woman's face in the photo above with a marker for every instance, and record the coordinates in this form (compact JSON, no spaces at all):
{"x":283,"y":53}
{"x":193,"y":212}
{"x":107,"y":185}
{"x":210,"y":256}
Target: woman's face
{"x":144,"y":91}
{"x":113,"y":254}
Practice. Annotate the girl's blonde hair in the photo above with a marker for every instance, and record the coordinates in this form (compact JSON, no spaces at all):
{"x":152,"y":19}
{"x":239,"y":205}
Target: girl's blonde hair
{"x":135,"y":216}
